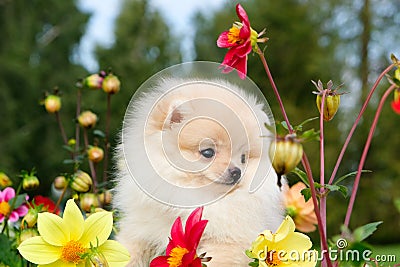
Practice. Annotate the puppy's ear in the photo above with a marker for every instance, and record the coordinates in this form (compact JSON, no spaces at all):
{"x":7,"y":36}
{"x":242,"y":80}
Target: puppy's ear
{"x":176,"y":113}
{"x":167,"y":113}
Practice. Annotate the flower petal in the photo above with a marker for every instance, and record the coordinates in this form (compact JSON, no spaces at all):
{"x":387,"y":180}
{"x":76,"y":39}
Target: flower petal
{"x":193,"y":219}
{"x":13,"y":217}
{"x":194,"y":236}
{"x":52,"y":229}
{"x":115,"y":253}
{"x":396,"y":106}
{"x":97,"y":228}
{"x":37,"y":250}
{"x":295,"y":242}
{"x":8,"y":193}
{"x":241,"y":68}
{"x":287,"y":227}
{"x":223,"y":40}
{"x":177,"y":234}
{"x":73,"y":219}
{"x":21,"y":210}
{"x":245,"y":30}
{"x":161,"y":261}
{"x":61,"y":263}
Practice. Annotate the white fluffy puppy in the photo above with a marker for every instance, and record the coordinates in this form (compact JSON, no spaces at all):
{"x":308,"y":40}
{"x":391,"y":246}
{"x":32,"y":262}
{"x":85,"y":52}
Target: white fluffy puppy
{"x":187,"y":143}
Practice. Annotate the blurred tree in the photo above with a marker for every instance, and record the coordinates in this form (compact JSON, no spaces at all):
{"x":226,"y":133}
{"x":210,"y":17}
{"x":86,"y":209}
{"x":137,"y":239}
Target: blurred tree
{"x":143,"y":46}
{"x":39,"y":41}
{"x":338,"y":40}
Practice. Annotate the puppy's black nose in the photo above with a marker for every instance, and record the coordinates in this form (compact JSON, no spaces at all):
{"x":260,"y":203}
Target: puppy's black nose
{"x":235,"y":173}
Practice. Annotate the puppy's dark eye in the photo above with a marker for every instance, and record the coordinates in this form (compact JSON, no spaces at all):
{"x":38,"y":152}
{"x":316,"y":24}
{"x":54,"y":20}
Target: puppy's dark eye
{"x":243,"y":158}
{"x":207,"y":153}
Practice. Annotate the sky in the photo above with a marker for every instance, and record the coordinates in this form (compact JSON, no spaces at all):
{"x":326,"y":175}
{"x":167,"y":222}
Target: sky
{"x":178,"y":14}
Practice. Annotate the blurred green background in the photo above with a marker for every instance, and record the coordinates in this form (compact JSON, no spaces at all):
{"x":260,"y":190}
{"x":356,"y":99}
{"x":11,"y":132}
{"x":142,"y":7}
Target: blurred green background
{"x":343,"y":40}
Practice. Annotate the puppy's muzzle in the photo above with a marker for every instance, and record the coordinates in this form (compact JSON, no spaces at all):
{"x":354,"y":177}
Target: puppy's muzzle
{"x":235,"y":174}
{"x":231,"y":176}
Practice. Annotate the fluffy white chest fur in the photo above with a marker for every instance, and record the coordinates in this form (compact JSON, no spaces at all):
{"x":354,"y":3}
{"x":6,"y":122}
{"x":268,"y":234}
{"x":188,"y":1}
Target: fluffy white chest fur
{"x":189,"y":135}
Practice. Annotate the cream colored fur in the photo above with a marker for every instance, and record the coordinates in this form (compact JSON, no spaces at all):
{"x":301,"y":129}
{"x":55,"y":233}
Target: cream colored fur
{"x":235,"y":220}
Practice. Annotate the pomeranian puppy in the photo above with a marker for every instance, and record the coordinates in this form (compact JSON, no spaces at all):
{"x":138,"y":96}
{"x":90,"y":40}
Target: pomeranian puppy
{"x":188,"y":143}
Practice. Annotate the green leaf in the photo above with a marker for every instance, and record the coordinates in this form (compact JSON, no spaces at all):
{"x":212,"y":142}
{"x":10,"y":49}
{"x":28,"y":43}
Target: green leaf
{"x":365,"y":231}
{"x":19,"y":200}
{"x":349,"y":175}
{"x":344,"y":190}
{"x":8,"y":255}
{"x":306,"y":192}
{"x":69,"y":161}
{"x":68,"y":148}
{"x":302,"y":175}
{"x":249,"y":254}
{"x":300,"y":126}
{"x":99,"y":133}
{"x":309,"y":135}
{"x":331,"y":187}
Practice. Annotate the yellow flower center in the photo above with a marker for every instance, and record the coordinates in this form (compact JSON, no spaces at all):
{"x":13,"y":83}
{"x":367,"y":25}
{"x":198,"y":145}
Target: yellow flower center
{"x":72,"y":251}
{"x":176,"y":255}
{"x":233,"y":35}
{"x":272,"y":258}
{"x":4,"y":208}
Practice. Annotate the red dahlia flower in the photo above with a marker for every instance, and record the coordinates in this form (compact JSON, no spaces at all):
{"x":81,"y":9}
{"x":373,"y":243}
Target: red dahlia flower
{"x":396,"y":102}
{"x":182,"y":246}
{"x":240,"y":40}
{"x":48,"y":204}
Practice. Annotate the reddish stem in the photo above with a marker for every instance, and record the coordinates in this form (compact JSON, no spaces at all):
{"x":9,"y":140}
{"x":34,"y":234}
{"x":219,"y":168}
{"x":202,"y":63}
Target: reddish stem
{"x":353,"y":128}
{"x":364,"y":155}
{"x":91,"y":165}
{"x":305,"y":162}
{"x":77,"y":126}
{"x":323,"y":239}
{"x":275,"y":89}
{"x":107,"y":142}
{"x":322,"y":200}
{"x":64,"y":136}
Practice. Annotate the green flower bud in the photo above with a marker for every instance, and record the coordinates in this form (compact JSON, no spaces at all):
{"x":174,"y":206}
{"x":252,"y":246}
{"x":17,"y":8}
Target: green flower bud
{"x":89,"y":201}
{"x":52,"y":103}
{"x":111,"y":84}
{"x":331,"y":105}
{"x":29,"y":219}
{"x":30,"y":182}
{"x":26,"y":234}
{"x":95,"y":259}
{"x":285,"y":154}
{"x":81,"y":181}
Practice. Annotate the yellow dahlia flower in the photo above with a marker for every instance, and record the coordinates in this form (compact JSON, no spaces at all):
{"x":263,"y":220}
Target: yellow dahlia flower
{"x":283,"y":248}
{"x":64,"y":241}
